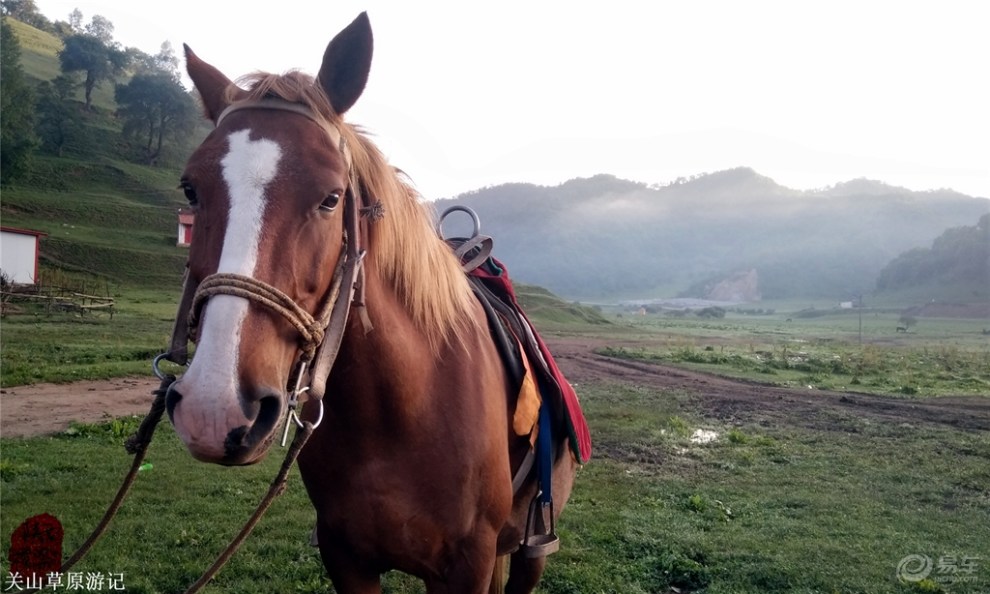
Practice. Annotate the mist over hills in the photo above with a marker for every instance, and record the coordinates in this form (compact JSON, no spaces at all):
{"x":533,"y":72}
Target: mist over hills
{"x":605,"y":238}
{"x":732,"y":233}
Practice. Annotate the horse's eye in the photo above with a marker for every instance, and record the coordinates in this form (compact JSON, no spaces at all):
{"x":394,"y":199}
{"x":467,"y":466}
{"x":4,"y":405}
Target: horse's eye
{"x":190,"y":192}
{"x":330,"y":202}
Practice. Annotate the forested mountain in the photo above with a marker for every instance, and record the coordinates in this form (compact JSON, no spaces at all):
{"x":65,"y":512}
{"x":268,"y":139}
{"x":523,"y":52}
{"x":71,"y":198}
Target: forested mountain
{"x":604,"y":237}
{"x":960,"y":256}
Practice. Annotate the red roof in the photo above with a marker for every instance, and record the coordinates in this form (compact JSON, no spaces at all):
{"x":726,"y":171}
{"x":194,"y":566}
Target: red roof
{"x":24,"y":231}
{"x":187,"y":218}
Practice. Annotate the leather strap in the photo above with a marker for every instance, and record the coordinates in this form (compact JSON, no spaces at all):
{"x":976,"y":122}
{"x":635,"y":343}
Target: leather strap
{"x":473,"y":252}
{"x":283,"y":105}
{"x":348,"y":288}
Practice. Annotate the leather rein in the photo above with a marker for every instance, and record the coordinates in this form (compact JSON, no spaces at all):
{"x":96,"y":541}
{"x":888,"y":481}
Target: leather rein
{"x":320,"y":335}
{"x":320,"y":339}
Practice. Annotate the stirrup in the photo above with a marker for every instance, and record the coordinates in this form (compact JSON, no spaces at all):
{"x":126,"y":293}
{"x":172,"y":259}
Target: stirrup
{"x":540,"y":542}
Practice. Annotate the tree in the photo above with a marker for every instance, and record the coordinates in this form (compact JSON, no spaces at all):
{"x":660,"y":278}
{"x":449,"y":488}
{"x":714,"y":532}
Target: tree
{"x":61,"y":29}
{"x":26,"y":11}
{"x":17,"y":139}
{"x":76,"y":21}
{"x":101,"y":28}
{"x":960,"y":256}
{"x":92,"y":56}
{"x":156,"y":106}
{"x":711,"y":312}
{"x":59,"y":121}
{"x":164,"y":61}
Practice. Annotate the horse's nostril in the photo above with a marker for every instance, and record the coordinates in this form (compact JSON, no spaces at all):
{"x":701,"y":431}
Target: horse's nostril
{"x":269,"y":412}
{"x":172,"y":398}
{"x":242,"y":442}
{"x":259,"y":410}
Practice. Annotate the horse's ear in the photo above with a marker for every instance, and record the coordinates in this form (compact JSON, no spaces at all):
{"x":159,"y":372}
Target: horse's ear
{"x":210,"y":82}
{"x":346,"y":64}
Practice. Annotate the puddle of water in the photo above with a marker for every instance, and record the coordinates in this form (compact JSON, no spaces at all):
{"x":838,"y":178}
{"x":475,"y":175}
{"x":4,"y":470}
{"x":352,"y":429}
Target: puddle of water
{"x":703,"y":436}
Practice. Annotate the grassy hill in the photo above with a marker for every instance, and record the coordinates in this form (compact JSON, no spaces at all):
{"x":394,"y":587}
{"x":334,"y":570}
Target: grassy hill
{"x":39,"y":57}
{"x":112,"y":220}
{"x":106,"y":217}
{"x":546,"y":308}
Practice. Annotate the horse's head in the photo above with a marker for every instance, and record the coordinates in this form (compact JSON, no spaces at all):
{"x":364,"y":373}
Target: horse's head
{"x":268,"y":186}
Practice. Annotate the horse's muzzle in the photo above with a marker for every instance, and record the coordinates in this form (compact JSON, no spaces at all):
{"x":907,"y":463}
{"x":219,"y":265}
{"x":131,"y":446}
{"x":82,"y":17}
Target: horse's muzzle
{"x":229,"y":433}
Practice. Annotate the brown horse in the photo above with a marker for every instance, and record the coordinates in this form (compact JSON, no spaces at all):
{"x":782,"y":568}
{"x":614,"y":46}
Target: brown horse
{"x":412,"y":465}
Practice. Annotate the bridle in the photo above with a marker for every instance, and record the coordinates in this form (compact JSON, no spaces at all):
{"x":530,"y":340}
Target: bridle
{"x":321,"y":334}
{"x":320,"y":338}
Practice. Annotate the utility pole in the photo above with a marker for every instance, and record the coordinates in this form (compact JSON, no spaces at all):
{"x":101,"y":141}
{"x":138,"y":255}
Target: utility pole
{"x":860,"y":319}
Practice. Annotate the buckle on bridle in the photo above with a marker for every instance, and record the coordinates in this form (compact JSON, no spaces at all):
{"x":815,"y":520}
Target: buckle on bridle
{"x":292,"y":416}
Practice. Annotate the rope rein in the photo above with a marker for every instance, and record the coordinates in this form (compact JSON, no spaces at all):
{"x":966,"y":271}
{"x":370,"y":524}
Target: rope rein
{"x":320,"y":340}
{"x":274,"y":490}
{"x":136,"y":444}
{"x":312,"y":329}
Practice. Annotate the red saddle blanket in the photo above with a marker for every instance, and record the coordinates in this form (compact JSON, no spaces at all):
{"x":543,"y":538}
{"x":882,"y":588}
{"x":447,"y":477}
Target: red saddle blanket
{"x":554,"y":387}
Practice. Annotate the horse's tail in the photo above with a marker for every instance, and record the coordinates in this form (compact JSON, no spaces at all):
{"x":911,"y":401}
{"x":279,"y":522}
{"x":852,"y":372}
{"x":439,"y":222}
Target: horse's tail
{"x":498,"y":576}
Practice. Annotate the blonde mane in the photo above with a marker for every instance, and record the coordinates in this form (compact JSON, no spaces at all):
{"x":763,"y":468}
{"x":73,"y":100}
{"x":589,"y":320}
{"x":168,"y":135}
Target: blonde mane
{"x":404,"y":245}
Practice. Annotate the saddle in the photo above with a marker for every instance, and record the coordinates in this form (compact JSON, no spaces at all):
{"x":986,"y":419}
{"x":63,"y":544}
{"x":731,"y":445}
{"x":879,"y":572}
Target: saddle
{"x":520,"y":346}
{"x":546,"y":402}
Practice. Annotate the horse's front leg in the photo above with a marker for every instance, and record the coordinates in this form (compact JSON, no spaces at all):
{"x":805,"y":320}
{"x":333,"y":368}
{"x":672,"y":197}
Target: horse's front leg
{"x":346,"y":572}
{"x":470,"y":572}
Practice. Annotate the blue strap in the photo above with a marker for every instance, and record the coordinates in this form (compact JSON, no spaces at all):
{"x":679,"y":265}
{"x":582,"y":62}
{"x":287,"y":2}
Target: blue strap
{"x":544,"y":455}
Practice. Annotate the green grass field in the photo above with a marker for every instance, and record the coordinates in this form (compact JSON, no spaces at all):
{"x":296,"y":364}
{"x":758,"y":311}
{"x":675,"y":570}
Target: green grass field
{"x":828,"y":505}
{"x":937,"y":356}
{"x":795,"y":505}
{"x":64,"y":347}
{"x":766,"y":509}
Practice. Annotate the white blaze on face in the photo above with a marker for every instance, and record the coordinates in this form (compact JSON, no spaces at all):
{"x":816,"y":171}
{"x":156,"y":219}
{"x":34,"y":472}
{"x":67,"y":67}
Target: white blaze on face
{"x":248,"y":167}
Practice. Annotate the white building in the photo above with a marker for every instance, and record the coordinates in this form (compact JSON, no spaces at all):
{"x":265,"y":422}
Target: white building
{"x":19,"y":250}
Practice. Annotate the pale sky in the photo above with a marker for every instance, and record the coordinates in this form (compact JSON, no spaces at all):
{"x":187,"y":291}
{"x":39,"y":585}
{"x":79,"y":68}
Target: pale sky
{"x":464,"y":95}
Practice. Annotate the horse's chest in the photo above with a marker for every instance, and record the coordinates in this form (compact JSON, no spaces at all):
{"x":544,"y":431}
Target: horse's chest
{"x":405,"y":503}
{"x":393,"y":527}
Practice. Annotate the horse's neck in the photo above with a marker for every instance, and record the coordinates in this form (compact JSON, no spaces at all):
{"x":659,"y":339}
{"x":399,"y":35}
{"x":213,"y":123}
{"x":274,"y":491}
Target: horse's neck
{"x":393,"y":355}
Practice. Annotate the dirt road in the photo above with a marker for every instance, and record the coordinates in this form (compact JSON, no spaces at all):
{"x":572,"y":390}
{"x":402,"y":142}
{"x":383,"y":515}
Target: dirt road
{"x":738,"y":400}
{"x":49,"y":408}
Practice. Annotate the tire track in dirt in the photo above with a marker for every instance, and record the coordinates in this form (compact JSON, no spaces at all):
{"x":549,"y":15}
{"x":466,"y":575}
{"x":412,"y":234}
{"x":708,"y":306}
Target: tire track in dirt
{"x":739,"y":400}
